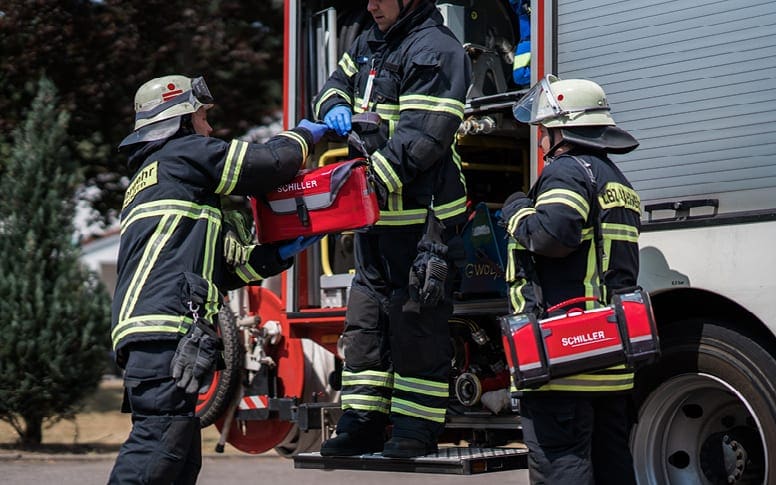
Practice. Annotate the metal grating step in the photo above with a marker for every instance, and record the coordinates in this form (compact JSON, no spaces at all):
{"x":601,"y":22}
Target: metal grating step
{"x":451,"y":461}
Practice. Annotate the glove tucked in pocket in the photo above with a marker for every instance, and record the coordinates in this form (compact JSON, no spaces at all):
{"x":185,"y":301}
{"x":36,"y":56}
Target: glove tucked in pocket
{"x":197,"y":354}
{"x":429,"y":270}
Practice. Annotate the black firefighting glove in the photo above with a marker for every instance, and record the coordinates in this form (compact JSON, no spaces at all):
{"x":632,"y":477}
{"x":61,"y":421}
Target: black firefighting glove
{"x":429,"y":270}
{"x":197,"y":354}
{"x":514,"y":203}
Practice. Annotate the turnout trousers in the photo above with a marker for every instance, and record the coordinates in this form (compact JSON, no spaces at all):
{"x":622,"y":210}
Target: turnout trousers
{"x":580,"y":439}
{"x":164,"y":446}
{"x":397,"y":362}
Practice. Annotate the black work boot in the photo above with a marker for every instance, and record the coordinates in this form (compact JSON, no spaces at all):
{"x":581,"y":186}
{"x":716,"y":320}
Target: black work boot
{"x":407,"y":448}
{"x":352,"y":443}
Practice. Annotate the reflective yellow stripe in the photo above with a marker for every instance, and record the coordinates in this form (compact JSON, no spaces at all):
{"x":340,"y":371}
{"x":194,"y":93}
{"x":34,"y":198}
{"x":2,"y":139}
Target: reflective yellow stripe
{"x":156,"y":242}
{"x":159,"y":208}
{"x":589,"y":382}
{"x":367,"y":378}
{"x":565,"y":197}
{"x":297,"y":138}
{"x":363,"y":402}
{"x":150,"y":324}
{"x":347,"y":65}
{"x":619,"y":232}
{"x":386,"y":111}
{"x":521,"y":214}
{"x":421,"y":386}
{"x":409,"y":408}
{"x":232,"y":167}
{"x":418,"y":216}
{"x":328,"y":94}
{"x":385,"y":171}
{"x":432,"y":103}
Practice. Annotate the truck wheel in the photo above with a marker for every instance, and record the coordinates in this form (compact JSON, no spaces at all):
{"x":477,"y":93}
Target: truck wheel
{"x":215,"y":399}
{"x":707,"y":410}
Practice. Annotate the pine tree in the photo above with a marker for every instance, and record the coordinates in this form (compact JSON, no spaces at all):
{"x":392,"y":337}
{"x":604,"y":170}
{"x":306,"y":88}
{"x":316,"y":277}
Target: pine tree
{"x":54,"y":313}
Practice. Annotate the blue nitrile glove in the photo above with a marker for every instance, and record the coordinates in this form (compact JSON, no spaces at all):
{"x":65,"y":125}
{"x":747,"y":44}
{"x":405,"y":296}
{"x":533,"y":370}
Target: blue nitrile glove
{"x":289,"y":250}
{"x":315,"y":129}
{"x":338,"y":119}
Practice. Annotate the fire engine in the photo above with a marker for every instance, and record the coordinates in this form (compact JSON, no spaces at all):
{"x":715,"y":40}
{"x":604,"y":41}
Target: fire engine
{"x":694,"y":81}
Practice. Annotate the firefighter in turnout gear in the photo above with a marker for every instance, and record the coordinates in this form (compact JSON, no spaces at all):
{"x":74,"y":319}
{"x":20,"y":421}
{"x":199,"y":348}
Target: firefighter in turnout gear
{"x":410,"y":70}
{"x":576,"y":427}
{"x":171,"y":263}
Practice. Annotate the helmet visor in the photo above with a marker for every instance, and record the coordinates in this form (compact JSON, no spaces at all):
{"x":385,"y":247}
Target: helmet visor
{"x":200,"y":90}
{"x":526,"y":108}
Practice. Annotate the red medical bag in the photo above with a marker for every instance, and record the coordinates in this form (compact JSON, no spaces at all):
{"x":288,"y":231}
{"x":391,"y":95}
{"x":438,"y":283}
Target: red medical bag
{"x":333,"y":198}
{"x":580,"y":341}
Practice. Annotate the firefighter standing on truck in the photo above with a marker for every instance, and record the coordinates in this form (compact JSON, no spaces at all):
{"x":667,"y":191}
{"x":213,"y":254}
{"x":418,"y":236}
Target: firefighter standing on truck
{"x":171,"y":259}
{"x":414,"y":73}
{"x":576,"y":427}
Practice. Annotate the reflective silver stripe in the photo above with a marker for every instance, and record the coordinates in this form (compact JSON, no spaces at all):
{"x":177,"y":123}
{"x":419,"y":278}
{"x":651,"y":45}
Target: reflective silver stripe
{"x":367,"y":378}
{"x":297,"y":138}
{"x":150,"y":324}
{"x":366,"y":403}
{"x":164,"y":230}
{"x":165,"y":207}
{"x":432,"y":103}
{"x":418,"y":216}
{"x":347,"y":65}
{"x":328,"y":94}
{"x":386,"y":111}
{"x":385,"y":171}
{"x":421,"y":386}
{"x":565,"y":197}
{"x":409,"y":408}
{"x":619,"y":232}
{"x":514,"y":221}
{"x":232,"y":167}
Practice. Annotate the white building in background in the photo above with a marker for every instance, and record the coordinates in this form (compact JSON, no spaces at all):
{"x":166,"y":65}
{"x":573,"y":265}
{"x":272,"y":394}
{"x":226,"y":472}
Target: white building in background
{"x":100,"y":255}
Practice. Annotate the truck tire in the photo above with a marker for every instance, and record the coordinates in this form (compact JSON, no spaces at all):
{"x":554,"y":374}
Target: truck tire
{"x":215,"y":399}
{"x":707,"y":409}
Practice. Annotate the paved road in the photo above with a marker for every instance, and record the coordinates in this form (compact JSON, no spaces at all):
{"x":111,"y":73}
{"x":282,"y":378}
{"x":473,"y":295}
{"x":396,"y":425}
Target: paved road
{"x":230,"y":470}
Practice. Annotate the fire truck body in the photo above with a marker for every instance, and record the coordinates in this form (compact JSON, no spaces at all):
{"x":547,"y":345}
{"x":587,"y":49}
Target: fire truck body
{"x":694,"y":82}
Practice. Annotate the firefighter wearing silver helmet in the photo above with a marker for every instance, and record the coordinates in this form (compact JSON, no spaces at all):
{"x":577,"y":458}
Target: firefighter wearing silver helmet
{"x":172,"y":265}
{"x":575,"y":234}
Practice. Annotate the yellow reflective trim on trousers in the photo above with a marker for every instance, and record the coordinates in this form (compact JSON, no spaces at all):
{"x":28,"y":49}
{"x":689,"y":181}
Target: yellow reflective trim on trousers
{"x":232,"y":167}
{"x":363,"y":402}
{"x":516,"y":298}
{"x":299,"y":139}
{"x":589,"y":382}
{"x":164,"y":207}
{"x":387,"y":111}
{"x":565,"y":197}
{"x":619,"y":232}
{"x":409,"y":408}
{"x":347,"y":65}
{"x":522,"y":60}
{"x":156,"y":242}
{"x":431,"y":103}
{"x":150,"y":323}
{"x":328,"y":94}
{"x":514,"y":221}
{"x":367,"y":377}
{"x":418,"y":216}
{"x":385,"y":171}
{"x":421,"y":386}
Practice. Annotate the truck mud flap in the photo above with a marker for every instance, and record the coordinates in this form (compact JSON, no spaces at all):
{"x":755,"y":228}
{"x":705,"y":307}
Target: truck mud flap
{"x":450,"y":461}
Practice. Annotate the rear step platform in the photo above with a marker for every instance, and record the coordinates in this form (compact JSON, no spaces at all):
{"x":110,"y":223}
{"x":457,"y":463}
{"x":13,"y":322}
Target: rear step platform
{"x":451,"y":461}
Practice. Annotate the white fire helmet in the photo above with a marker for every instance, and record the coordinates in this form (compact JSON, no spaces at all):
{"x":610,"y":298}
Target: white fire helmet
{"x":556,"y":103}
{"x":160,"y":103}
